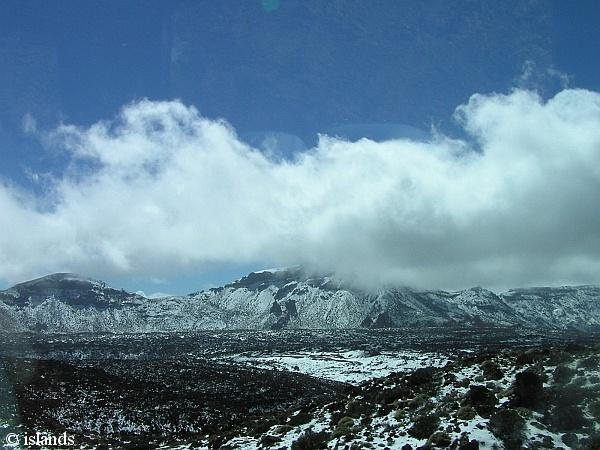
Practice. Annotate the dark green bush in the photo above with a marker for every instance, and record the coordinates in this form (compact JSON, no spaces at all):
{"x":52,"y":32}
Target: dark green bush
{"x":424,"y":426}
{"x":568,"y":418}
{"x":508,"y":426}
{"x":594,"y":409}
{"x":466,"y":413}
{"x":440,"y":439}
{"x":528,"y":390}
{"x":529,"y":357}
{"x":482,"y":399}
{"x":589,"y":363}
{"x":268,"y":440}
{"x":569,"y":395}
{"x":421,"y":376}
{"x":311,"y":440}
{"x":570,"y":439}
{"x":299,"y":419}
{"x":491,"y":370}
{"x":356,"y":408}
{"x":592,"y":443}
{"x":344,"y":427}
{"x":563,"y":374}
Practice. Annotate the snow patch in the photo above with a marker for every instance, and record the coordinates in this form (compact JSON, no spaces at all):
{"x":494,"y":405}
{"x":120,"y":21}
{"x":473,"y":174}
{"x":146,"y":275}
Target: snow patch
{"x":354,"y":366}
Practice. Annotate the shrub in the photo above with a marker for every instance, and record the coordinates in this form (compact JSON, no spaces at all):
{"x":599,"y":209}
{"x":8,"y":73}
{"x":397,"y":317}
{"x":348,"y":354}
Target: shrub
{"x":357,"y":408}
{"x":559,"y":358}
{"x":446,"y":409}
{"x":539,"y":370}
{"x":528,"y":390}
{"x":440,"y":439}
{"x":268,"y":440}
{"x":593,"y":442}
{"x":283,"y":429}
{"x":311,"y":440}
{"x":465,"y":382}
{"x":491,"y":370}
{"x":568,"y":395}
{"x":595,"y":409}
{"x":424,"y":426}
{"x":421,"y":376}
{"x":449,"y":378}
{"x":343,"y":427}
{"x":563,"y":374}
{"x":508,"y":426}
{"x":482,"y":399}
{"x":465,"y":444}
{"x":570,"y":439}
{"x":524,"y":412}
{"x":299,"y":419}
{"x":529,"y":357}
{"x":591,"y":362}
{"x":335,"y":417}
{"x":389,"y":395}
{"x":465,"y":413}
{"x":399,"y":415}
{"x":418,"y":400}
{"x":568,"y":418}
{"x":262,"y":426}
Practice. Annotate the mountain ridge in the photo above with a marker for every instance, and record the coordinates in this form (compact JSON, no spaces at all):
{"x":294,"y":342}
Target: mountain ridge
{"x":288,"y":298}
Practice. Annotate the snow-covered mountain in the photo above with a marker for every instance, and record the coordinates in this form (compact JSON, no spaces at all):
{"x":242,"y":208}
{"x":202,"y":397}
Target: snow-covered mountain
{"x":286,"y":298}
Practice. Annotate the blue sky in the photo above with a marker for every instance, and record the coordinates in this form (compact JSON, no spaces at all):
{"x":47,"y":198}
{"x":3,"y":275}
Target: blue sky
{"x":279,"y":72}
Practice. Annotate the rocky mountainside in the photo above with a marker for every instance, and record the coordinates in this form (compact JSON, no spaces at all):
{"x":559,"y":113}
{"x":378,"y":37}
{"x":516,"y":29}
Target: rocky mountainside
{"x":287,"y":298}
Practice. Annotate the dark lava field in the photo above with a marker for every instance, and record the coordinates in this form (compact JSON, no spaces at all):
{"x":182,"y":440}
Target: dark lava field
{"x":169,"y":390}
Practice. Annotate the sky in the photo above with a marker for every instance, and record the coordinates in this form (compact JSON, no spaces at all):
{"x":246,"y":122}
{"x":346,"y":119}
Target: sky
{"x":173,"y":146}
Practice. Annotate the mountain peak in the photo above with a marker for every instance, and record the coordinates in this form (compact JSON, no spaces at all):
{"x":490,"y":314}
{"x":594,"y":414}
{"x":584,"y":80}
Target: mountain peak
{"x":57,"y":277}
{"x":289,"y":298}
{"x":67,"y":287}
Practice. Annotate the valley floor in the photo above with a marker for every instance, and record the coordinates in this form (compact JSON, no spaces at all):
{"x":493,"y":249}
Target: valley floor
{"x":303,"y":389}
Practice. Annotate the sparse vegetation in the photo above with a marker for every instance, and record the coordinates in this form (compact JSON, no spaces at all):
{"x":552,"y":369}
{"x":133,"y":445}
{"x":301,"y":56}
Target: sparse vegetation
{"x":491,"y":370}
{"x":466,"y":413}
{"x":528,"y":390}
{"x":563,"y":374}
{"x":219,"y":404}
{"x":424,"y":426}
{"x":344,"y":427}
{"x":311,"y":441}
{"x":508,"y":425}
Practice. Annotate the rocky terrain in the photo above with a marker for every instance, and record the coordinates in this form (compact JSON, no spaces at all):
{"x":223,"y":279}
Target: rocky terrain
{"x":283,"y":359}
{"x":135,"y":403}
{"x":513,"y":399}
{"x":288,"y":298}
{"x":230,"y":391}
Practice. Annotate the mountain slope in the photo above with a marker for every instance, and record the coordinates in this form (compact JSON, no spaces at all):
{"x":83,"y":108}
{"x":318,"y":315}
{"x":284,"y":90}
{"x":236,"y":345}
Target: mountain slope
{"x":288,"y":298}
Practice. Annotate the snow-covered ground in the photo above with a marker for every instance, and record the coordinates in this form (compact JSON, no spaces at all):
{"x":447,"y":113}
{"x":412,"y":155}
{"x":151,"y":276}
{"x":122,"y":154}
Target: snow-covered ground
{"x":353,"y":366}
{"x":368,"y":429}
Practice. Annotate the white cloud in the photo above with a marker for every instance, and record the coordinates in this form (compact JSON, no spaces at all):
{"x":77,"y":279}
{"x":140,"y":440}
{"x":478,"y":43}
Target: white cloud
{"x":161,"y":189}
{"x":536,"y":78}
{"x":29,"y":124}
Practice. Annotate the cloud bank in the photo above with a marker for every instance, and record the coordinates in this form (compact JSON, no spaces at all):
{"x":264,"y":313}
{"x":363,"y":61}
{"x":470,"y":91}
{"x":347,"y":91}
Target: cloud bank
{"x":161,"y":189}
